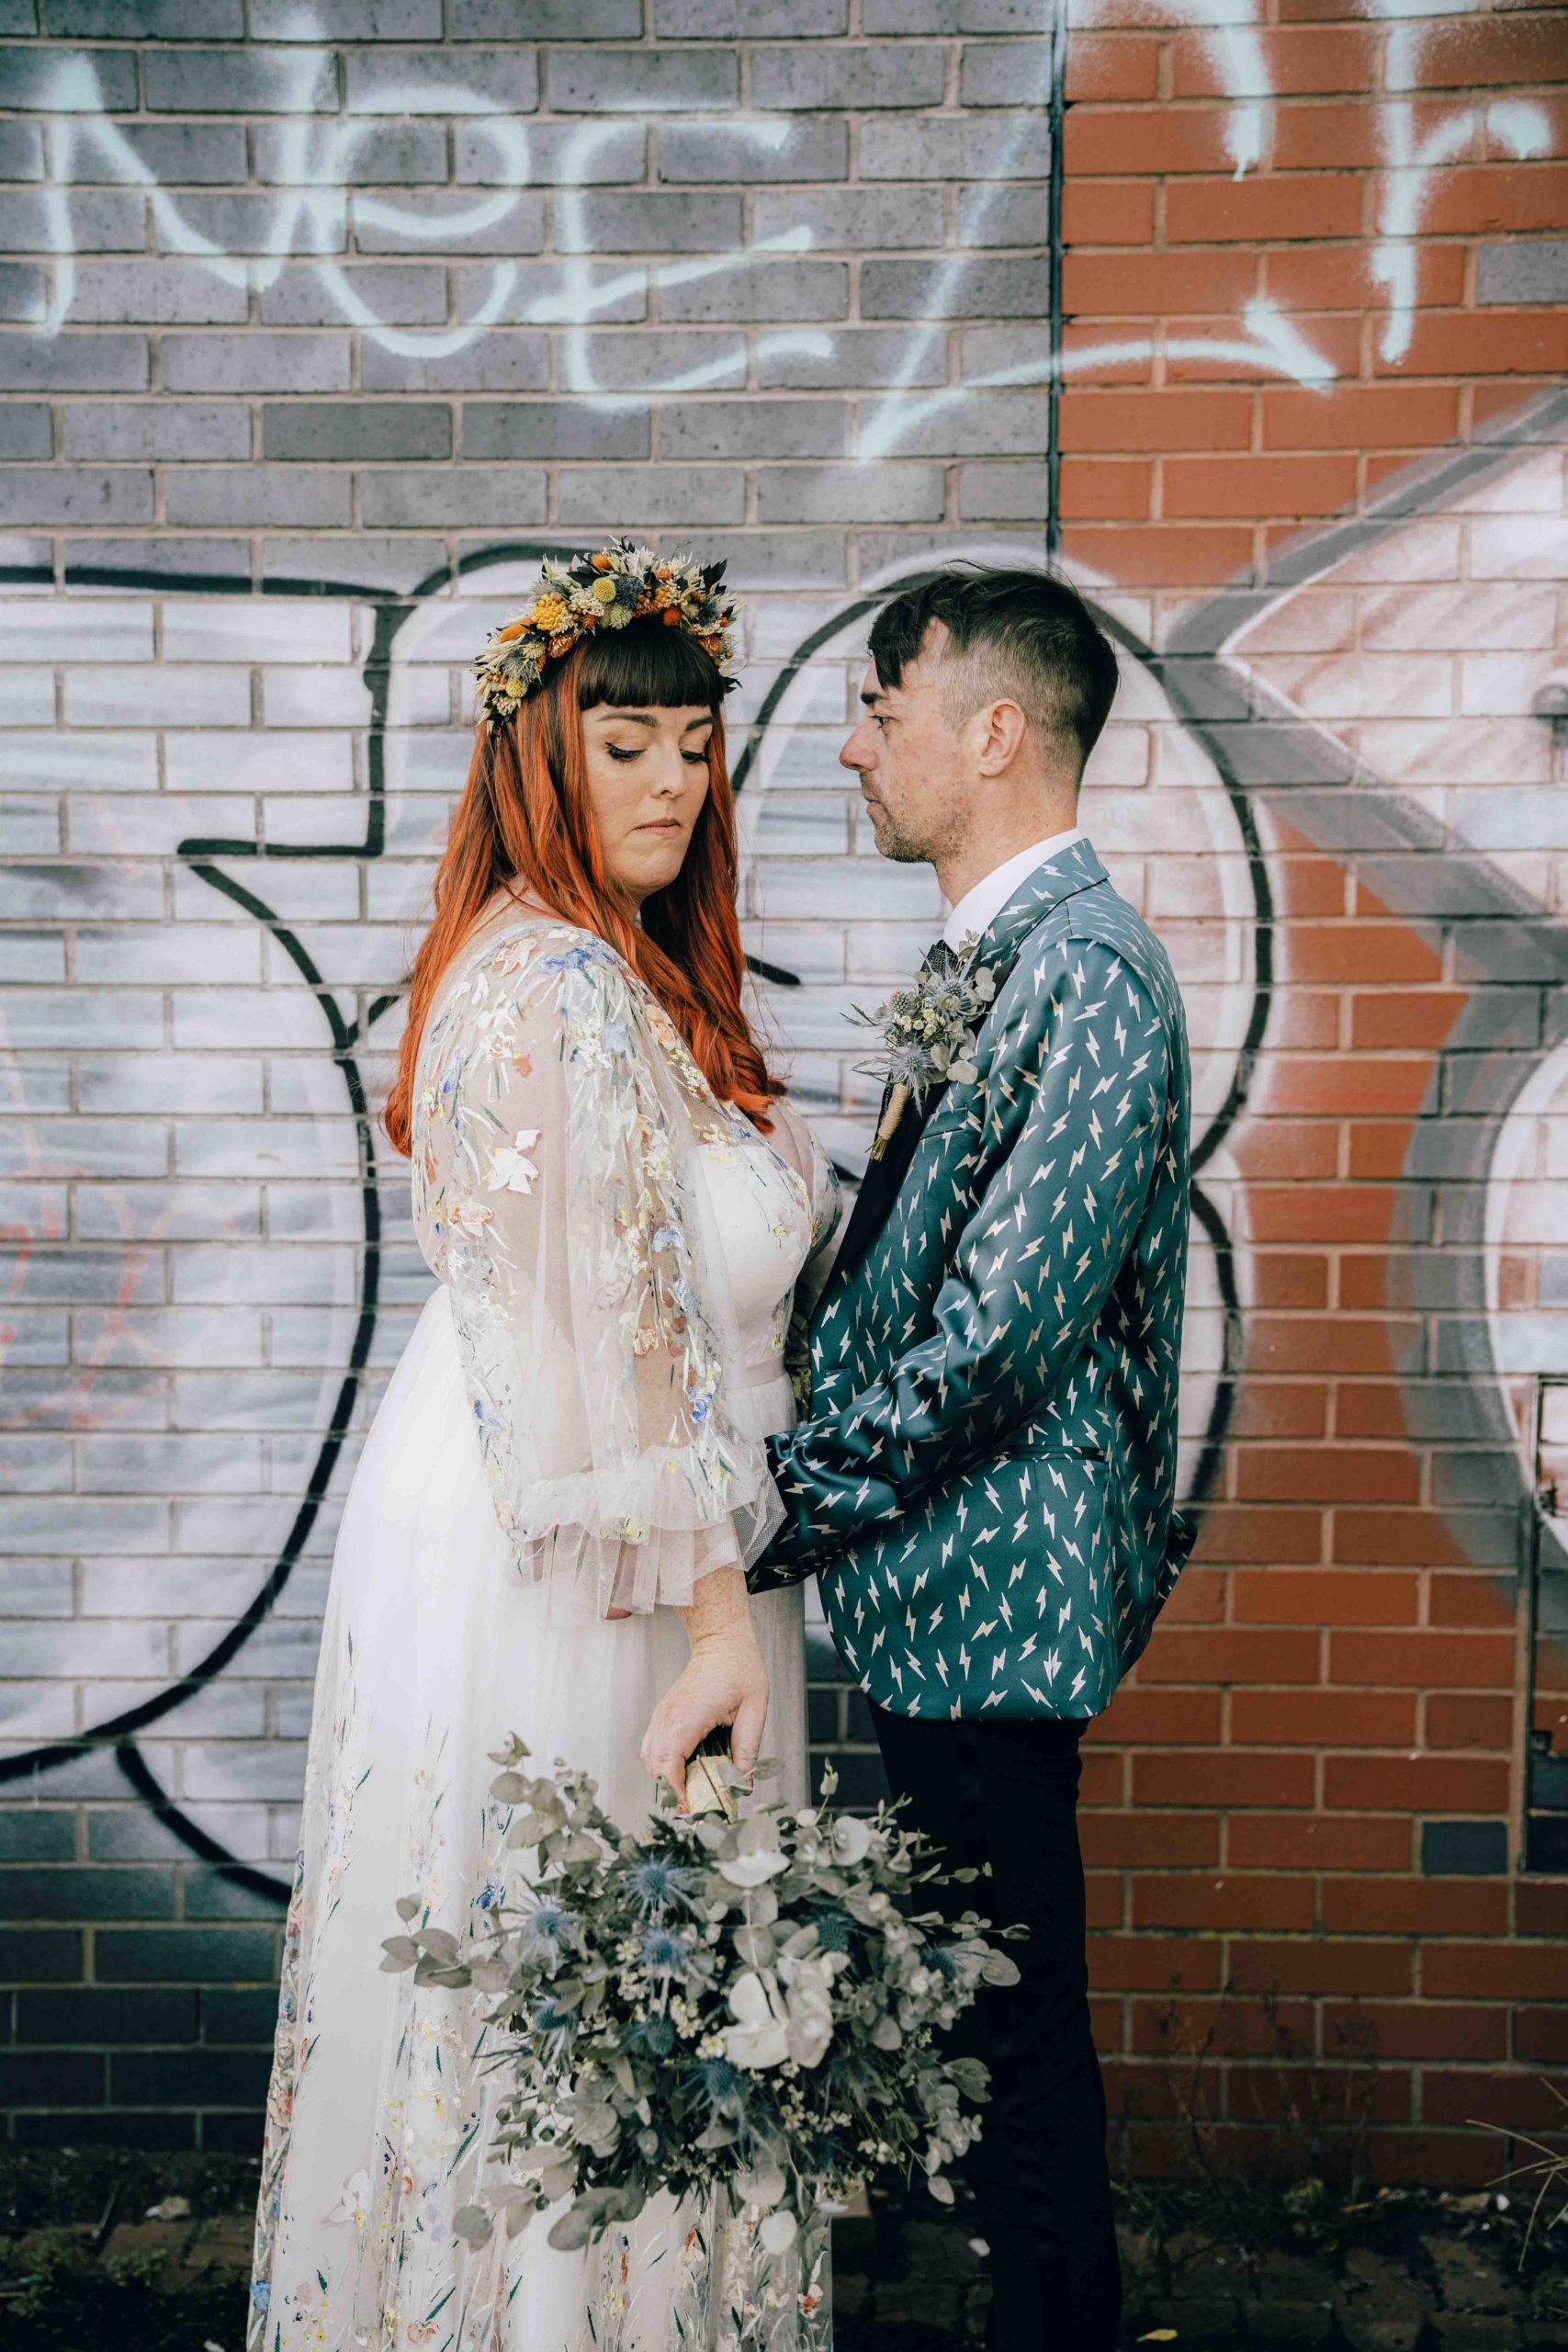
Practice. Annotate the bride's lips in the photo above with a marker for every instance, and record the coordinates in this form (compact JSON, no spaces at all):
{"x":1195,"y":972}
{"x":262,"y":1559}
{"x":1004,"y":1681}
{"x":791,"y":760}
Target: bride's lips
{"x":665,"y":825}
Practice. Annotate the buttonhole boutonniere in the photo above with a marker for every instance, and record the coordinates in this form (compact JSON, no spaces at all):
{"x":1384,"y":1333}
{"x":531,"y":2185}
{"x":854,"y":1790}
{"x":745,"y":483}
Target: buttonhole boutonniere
{"x":929,"y":1031}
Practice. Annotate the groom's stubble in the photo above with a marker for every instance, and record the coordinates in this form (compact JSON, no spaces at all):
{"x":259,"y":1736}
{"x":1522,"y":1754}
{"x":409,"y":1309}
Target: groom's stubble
{"x":907,"y":848}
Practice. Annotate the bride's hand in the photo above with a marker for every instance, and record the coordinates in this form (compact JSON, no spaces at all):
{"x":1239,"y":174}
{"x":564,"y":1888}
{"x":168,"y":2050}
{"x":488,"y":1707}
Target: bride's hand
{"x":724,"y":1681}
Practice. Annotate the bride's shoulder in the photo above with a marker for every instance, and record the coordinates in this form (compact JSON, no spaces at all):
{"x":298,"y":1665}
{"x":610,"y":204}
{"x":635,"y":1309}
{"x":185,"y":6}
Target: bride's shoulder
{"x":517,"y":955}
{"x":545,"y":967}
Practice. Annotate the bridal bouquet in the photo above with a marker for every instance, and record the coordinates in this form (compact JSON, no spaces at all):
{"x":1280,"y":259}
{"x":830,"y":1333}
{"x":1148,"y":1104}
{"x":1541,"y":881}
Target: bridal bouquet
{"x":740,"y":2011}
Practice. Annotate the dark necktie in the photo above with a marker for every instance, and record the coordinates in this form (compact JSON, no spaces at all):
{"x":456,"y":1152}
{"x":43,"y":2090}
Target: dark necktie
{"x":884,"y":1176}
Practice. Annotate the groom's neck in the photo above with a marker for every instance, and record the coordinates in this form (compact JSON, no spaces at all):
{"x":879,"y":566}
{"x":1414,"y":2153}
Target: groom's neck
{"x":959,"y":869}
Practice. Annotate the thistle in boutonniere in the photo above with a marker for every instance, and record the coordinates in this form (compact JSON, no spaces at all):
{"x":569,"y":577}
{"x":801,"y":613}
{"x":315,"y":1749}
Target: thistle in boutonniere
{"x":929,"y":1033}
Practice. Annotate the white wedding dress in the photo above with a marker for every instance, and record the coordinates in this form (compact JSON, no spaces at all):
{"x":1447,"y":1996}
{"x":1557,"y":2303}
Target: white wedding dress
{"x":464,"y":1607}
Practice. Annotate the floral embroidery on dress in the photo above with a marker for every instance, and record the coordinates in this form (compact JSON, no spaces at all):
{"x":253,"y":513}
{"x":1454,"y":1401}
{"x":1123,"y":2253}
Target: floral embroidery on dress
{"x":558,"y":1109}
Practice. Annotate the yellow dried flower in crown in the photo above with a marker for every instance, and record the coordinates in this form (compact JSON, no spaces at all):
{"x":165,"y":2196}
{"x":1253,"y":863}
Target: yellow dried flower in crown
{"x":619,"y":582}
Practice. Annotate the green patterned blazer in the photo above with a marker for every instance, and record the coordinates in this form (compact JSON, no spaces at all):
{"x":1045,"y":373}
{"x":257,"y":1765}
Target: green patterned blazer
{"x":986,"y":1480}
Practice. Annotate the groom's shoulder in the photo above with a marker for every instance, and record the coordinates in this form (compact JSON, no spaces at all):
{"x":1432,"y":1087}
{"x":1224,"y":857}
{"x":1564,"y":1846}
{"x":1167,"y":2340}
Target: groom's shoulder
{"x":1100,"y":917}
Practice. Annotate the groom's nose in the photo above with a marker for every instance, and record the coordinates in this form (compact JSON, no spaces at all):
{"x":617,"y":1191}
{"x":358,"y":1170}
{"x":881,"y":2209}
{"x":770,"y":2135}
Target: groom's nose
{"x":860,"y":749}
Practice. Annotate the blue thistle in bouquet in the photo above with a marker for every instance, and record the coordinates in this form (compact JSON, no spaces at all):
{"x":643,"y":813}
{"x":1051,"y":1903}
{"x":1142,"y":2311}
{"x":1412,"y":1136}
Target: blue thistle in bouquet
{"x":739,"y":2007}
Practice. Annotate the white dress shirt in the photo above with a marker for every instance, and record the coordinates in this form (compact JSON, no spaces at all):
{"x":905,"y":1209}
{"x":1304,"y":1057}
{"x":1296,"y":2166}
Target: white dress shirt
{"x":980,"y":906}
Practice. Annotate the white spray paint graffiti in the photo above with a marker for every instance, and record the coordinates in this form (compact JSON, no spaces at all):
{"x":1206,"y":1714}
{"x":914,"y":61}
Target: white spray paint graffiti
{"x":315,"y":172}
{"x":1411,"y":160}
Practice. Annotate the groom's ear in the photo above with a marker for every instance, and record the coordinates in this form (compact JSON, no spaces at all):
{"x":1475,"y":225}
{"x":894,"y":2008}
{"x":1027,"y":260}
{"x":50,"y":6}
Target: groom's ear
{"x":997,"y":736}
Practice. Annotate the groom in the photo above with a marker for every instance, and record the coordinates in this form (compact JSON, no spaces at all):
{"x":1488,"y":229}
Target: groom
{"x":985,"y":1484}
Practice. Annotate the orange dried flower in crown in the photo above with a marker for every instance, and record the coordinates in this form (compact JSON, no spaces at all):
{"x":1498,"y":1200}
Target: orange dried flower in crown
{"x":606,"y":589}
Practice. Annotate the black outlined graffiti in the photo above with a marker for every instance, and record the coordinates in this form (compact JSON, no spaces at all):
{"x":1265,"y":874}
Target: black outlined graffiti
{"x":1266,"y":755}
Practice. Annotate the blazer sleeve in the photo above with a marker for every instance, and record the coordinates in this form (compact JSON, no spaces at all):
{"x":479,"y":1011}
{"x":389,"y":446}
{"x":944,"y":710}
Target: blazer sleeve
{"x":1076,"y":1100}
{"x":589,"y":1294}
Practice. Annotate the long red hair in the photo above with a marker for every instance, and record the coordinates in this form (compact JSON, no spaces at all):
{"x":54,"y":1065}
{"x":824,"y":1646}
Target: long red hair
{"x":525,"y":817}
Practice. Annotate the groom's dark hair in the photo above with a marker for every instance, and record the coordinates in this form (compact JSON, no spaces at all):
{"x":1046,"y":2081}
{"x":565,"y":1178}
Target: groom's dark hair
{"x":1014,"y":632}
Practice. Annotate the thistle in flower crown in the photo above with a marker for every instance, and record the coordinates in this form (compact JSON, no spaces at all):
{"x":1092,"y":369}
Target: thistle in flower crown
{"x":929,"y":1033}
{"x":619,"y":583}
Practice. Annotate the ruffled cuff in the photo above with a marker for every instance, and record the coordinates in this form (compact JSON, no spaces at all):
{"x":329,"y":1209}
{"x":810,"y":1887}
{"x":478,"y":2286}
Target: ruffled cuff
{"x":638,"y":1542}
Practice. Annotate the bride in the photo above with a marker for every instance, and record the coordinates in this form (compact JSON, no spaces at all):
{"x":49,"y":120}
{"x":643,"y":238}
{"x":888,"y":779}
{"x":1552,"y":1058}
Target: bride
{"x":548,"y":1526}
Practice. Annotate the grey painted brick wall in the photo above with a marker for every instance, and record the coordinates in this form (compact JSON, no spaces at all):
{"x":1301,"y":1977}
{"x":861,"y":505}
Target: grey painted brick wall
{"x":311,"y":344}
{"x":313,"y":347}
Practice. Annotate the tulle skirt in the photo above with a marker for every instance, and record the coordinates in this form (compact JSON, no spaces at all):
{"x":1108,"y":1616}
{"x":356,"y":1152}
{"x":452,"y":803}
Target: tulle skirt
{"x":433,"y":1651}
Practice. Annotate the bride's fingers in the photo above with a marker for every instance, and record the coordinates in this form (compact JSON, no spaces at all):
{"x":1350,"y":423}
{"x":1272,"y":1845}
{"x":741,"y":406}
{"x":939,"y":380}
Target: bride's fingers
{"x":746,"y":1737}
{"x":665,"y":1749}
{"x":672,"y":1768}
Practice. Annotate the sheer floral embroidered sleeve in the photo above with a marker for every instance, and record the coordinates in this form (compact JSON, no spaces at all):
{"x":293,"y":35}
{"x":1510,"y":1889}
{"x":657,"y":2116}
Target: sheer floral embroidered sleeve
{"x":556,"y":1109}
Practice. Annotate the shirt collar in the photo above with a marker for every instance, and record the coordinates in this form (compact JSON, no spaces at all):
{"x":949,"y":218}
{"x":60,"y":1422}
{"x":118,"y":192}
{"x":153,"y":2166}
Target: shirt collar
{"x":977,"y":907}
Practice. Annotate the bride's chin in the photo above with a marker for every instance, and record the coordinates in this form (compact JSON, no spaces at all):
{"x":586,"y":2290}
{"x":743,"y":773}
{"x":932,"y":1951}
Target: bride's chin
{"x":650,"y":873}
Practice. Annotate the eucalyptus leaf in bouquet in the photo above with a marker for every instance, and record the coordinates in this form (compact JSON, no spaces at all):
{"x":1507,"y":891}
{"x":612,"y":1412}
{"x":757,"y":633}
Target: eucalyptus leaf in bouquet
{"x":743,"y":2012}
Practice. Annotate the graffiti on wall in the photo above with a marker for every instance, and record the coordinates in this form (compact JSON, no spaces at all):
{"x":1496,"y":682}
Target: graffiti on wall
{"x":318,"y":198}
{"x":205,"y":1309}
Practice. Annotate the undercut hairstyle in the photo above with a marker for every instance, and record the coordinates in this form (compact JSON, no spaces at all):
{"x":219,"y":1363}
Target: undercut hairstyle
{"x":1015,"y":634}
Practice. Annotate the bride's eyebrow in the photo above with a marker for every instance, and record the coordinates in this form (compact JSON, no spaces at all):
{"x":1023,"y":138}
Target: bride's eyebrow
{"x":650,"y":718}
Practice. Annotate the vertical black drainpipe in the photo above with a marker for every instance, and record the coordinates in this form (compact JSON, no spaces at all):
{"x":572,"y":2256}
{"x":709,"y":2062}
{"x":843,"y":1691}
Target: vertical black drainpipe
{"x":1053,"y":388}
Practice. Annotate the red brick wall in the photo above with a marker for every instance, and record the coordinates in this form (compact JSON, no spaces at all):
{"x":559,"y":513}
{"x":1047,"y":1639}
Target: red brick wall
{"x":1315,"y":1788}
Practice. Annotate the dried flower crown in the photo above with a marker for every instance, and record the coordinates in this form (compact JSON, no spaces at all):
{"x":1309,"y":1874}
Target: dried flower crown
{"x":620,"y":582}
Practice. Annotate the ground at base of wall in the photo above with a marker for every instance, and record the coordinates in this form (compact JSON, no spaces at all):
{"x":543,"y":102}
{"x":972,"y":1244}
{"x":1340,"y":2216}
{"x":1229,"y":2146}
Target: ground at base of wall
{"x":150,"y":2253}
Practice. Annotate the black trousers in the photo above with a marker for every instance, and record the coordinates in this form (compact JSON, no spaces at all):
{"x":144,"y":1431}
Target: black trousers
{"x":1005,"y":1795}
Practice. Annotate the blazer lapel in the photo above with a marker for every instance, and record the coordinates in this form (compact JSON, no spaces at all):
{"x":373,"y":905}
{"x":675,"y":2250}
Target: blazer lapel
{"x":1077,"y":867}
{"x":1074,"y":868}
{"x":879,"y":1188}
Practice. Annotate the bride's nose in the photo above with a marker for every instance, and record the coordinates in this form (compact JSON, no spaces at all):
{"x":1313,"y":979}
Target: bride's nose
{"x":671,"y":776}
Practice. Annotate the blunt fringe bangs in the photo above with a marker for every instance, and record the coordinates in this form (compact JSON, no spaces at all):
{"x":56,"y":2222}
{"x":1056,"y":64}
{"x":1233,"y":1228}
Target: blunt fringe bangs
{"x":648,"y":666}
{"x":1014,"y":631}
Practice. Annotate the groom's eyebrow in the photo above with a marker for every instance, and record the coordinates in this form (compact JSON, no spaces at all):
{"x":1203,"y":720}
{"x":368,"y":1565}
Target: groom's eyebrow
{"x":872,"y":695}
